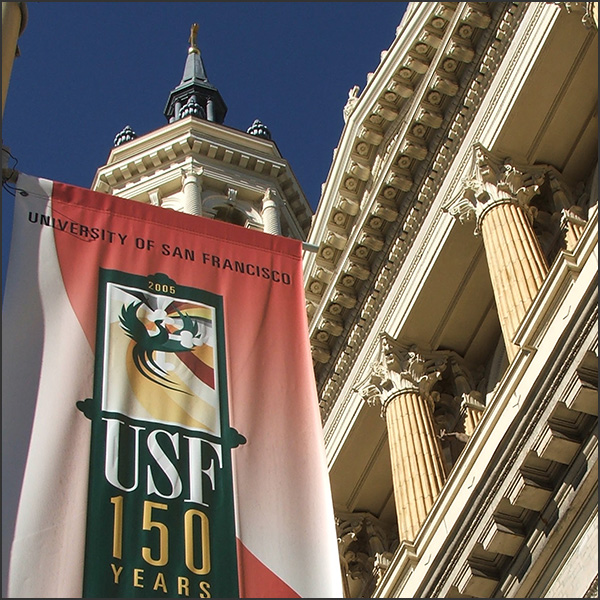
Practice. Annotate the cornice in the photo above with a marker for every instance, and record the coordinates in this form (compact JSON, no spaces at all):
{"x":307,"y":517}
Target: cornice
{"x":325,"y":283}
{"x":385,"y":146}
{"x":388,"y":91}
{"x":209,"y":130}
{"x":219,"y":149}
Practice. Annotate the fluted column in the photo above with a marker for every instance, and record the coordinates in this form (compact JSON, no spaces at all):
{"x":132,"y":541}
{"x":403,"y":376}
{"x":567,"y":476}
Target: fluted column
{"x":516,"y":263}
{"x":402,"y":384}
{"x":472,"y":411}
{"x":192,"y":191}
{"x":497,"y":197}
{"x":270,"y":213}
{"x":572,"y":225}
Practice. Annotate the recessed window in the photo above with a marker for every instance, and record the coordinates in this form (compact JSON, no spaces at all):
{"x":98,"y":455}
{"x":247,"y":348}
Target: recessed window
{"x":230,"y":214}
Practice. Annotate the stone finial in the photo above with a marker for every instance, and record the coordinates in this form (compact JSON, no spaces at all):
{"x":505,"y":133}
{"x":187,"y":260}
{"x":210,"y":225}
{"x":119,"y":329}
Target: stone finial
{"x":270,"y":195}
{"x":351,"y":102}
{"x":192,"y":108}
{"x":258,"y":129}
{"x":126,"y":135}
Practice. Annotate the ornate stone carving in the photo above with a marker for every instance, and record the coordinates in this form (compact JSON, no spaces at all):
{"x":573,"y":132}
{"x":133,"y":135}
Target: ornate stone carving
{"x":455,"y":405}
{"x":400,"y":368}
{"x":366,"y":547}
{"x":585,"y":9}
{"x":382,"y":562}
{"x":231,"y":195}
{"x":191,"y":172}
{"x":155,"y":197}
{"x":351,"y":102}
{"x":494,"y":181}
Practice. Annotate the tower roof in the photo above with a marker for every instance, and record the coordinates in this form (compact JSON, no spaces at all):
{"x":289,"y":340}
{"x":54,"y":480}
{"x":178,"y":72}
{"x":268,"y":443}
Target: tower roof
{"x":195,"y":95}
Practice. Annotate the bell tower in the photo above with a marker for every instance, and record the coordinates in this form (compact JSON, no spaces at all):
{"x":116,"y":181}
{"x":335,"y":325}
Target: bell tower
{"x":198,"y":165}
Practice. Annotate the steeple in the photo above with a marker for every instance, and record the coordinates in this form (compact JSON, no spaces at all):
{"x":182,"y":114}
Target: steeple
{"x":195,"y":95}
{"x":197,"y":166}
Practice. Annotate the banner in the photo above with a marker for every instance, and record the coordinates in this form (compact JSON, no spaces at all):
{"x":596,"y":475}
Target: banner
{"x":161,"y":431}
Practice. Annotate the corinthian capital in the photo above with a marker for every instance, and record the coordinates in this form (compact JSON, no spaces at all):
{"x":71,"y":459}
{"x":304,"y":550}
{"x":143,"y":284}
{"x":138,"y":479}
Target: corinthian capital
{"x":492,"y":181}
{"x":270,"y":198}
{"x":585,"y":9}
{"x":192,"y":171}
{"x":400,"y":368}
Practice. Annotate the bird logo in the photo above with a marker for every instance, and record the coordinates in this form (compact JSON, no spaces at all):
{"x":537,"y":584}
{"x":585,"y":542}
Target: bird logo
{"x":158,"y":334}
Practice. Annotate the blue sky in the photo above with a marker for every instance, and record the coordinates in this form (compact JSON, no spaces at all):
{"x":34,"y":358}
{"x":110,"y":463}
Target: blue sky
{"x":88,"y":69}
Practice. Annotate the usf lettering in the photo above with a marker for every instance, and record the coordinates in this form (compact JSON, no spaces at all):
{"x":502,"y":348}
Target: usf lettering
{"x":160,"y":505}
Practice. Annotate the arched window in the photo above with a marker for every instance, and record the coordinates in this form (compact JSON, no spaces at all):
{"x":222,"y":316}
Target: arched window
{"x":230,"y":214}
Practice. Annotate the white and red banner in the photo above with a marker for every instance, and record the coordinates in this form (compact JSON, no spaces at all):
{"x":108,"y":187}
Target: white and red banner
{"x":161,"y":431}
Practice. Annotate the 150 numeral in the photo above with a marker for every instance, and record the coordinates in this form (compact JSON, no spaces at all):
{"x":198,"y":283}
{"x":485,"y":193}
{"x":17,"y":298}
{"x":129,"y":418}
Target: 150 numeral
{"x":193,"y":519}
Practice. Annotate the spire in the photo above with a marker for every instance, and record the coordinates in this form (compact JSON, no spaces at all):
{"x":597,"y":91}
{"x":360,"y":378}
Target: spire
{"x":195,"y":95}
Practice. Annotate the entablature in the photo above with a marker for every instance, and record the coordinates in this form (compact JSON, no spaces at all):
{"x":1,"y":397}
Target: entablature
{"x":374,"y":191}
{"x":228,"y":158}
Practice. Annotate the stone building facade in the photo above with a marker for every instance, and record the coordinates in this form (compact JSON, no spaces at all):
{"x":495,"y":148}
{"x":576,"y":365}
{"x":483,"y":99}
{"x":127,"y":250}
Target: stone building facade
{"x":452,"y":300}
{"x":453,"y":307}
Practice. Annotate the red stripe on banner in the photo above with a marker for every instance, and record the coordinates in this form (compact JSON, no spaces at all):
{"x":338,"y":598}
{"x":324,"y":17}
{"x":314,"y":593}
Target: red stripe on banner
{"x":79,"y":257}
{"x":257,"y":580}
{"x":201,"y":370}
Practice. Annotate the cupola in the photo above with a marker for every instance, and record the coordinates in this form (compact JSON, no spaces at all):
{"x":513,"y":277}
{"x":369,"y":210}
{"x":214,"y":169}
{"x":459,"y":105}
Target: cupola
{"x":195,"y":95}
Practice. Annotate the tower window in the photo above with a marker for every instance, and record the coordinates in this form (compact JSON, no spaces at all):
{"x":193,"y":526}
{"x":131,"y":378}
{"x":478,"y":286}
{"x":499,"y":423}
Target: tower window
{"x":230,"y":214}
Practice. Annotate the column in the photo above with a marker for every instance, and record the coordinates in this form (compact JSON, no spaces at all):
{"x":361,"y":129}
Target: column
{"x":270,"y":213}
{"x":469,"y":399}
{"x":192,"y":191}
{"x":210,"y":110}
{"x":472,"y":411}
{"x":402,"y":383}
{"x":572,"y":225}
{"x":497,"y":196}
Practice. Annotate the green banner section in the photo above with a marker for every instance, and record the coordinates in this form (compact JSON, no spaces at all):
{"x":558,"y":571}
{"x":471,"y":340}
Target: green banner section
{"x":160,"y":505}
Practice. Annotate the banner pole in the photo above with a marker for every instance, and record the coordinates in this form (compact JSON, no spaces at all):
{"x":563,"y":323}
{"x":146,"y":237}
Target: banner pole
{"x":310,"y":247}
